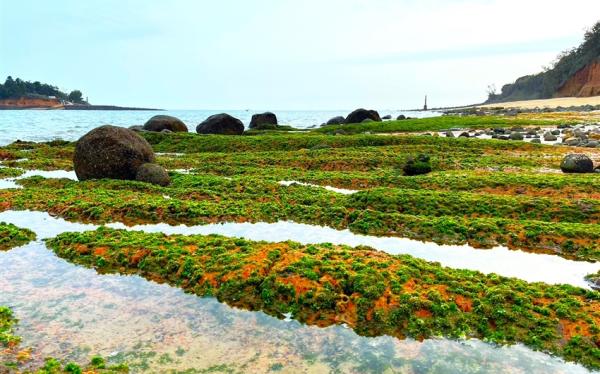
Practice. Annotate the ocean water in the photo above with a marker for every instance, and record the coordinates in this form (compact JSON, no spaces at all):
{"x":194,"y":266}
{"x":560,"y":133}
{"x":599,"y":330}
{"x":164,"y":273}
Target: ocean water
{"x":45,"y":125}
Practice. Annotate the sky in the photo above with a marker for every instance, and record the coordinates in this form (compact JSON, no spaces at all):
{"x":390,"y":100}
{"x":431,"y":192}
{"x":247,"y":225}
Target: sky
{"x":286,"y":54}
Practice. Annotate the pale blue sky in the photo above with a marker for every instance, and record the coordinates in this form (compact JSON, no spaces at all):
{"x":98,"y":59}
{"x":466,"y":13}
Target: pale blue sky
{"x":285,"y":54}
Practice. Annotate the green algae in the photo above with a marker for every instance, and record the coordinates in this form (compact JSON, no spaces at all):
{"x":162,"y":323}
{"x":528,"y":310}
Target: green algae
{"x":372,"y":292}
{"x":441,"y":123}
{"x":7,"y":172}
{"x":565,"y":227}
{"x":12,"y":236}
{"x":7,"y":323}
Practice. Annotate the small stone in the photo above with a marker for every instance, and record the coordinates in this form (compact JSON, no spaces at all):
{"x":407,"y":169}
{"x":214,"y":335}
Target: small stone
{"x":153,"y":173}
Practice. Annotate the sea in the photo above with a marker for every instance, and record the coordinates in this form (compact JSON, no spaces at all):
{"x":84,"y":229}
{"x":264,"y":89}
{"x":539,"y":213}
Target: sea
{"x":46,"y":125}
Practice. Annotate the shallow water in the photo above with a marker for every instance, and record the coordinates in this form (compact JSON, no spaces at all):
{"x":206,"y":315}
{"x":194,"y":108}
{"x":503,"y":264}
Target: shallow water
{"x":45,"y":125}
{"x":71,"y":312}
{"x":343,"y":191}
{"x":11,"y":182}
{"x":511,"y":263}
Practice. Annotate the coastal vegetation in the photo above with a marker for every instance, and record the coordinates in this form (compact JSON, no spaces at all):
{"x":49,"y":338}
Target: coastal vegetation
{"x":481,"y":192}
{"x":17,"y":88}
{"x":12,"y":236}
{"x":548,"y":83}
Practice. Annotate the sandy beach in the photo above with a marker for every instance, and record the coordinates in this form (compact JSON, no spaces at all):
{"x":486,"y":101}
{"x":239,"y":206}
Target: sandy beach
{"x":548,"y":103}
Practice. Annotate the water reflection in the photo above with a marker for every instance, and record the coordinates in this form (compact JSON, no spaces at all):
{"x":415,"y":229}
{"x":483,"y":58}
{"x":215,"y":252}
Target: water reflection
{"x":71,"y":312}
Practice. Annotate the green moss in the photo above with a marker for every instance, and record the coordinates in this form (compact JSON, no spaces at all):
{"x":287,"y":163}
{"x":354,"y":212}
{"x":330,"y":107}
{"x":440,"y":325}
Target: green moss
{"x":7,"y":323}
{"x":567,"y":227}
{"x":10,"y":172}
{"x":11,"y":236}
{"x":437,"y":124}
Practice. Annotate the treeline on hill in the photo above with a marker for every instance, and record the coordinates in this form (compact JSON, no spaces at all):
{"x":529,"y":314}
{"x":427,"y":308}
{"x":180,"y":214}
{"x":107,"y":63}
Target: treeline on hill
{"x":545,"y":84}
{"x":16,"y":88}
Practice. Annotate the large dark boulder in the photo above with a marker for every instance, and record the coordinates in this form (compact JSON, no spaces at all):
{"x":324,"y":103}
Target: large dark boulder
{"x":336,"y":120}
{"x":111,"y":152}
{"x":223,"y":124}
{"x":162,"y":122}
{"x":153,"y":173}
{"x":263,"y":121}
{"x":359,"y":115}
{"x":577,"y":163}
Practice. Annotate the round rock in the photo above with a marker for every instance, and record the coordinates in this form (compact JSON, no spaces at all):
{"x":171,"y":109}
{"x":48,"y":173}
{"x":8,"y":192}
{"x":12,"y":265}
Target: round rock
{"x":110,"y":152}
{"x":336,"y":120}
{"x":359,"y":115}
{"x":577,"y":163}
{"x":264,"y":121}
{"x":223,"y":124}
{"x":162,"y":122}
{"x":153,"y":173}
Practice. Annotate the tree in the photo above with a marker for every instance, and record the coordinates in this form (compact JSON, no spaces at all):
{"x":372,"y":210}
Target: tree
{"x":76,"y":97}
{"x":491,"y":91}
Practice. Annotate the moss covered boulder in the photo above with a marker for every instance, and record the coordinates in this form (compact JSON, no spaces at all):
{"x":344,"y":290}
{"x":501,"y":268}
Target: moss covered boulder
{"x":153,"y":173}
{"x":162,"y":122}
{"x":222,"y":124}
{"x":263,"y":121}
{"x":111,"y":152}
{"x":577,"y":163}
{"x":359,"y":115}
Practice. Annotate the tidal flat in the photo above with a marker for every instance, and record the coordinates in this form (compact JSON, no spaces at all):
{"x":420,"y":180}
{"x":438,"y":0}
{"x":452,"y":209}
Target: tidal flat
{"x":275,"y":302}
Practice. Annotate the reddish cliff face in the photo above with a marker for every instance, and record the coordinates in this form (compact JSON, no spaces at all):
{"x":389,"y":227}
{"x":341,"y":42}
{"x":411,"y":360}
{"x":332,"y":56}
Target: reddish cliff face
{"x":585,"y":83}
{"x":24,"y":102}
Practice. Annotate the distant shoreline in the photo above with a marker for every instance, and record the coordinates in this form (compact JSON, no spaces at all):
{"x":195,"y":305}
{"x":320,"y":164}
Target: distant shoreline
{"x":77,"y":107}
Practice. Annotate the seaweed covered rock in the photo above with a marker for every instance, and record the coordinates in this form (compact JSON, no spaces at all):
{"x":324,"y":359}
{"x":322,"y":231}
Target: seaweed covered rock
{"x":516,"y":136}
{"x":161,"y":122}
{"x":417,"y":165}
{"x":153,"y":173}
{"x":111,"y":152}
{"x":577,"y":163}
{"x":223,"y":124}
{"x":359,"y":115}
{"x":263,"y":121}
